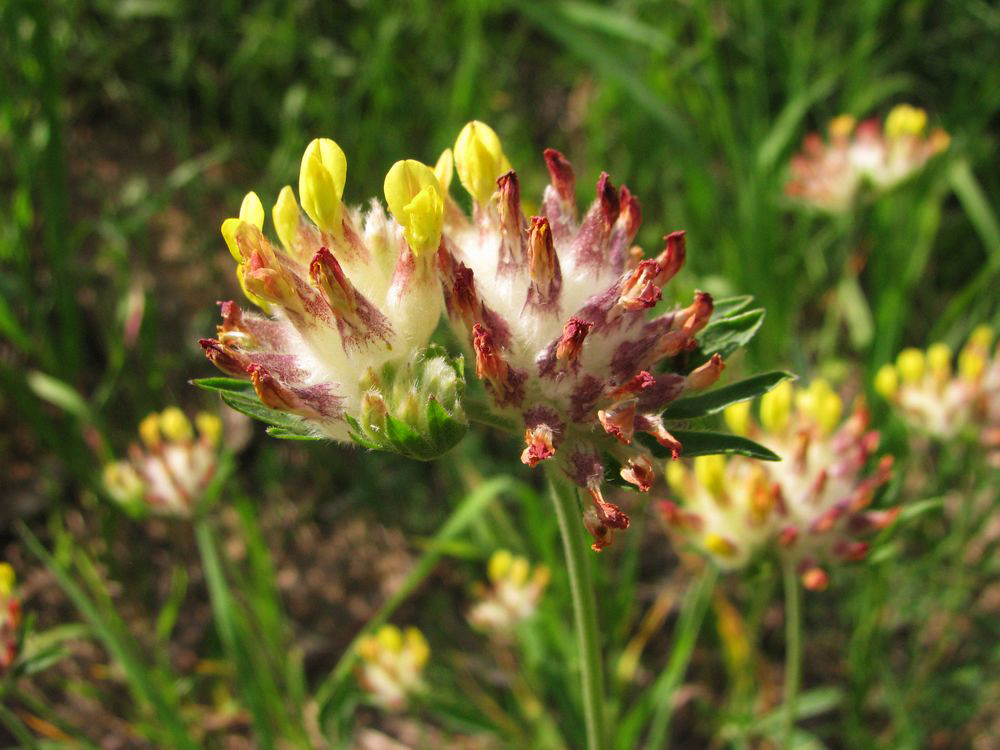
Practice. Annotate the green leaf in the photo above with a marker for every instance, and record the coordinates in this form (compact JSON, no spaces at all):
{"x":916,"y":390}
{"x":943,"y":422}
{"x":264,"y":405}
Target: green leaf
{"x":282,"y":434}
{"x":403,"y":437}
{"x":223,"y":385}
{"x":444,"y":429}
{"x":729,"y":306}
{"x":701,"y":443}
{"x":726,"y":335}
{"x":718,"y":399}
{"x":59,"y":393}
{"x":251,"y":406}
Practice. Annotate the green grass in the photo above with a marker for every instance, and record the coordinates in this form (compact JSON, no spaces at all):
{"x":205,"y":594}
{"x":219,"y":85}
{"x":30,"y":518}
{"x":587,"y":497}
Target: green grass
{"x":130,"y":130}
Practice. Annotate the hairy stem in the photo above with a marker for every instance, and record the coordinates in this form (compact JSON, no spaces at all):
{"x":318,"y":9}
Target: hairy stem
{"x":584,"y":607}
{"x":793,"y":649}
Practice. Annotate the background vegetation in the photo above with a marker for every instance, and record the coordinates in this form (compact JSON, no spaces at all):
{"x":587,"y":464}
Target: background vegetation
{"x":130,"y":129}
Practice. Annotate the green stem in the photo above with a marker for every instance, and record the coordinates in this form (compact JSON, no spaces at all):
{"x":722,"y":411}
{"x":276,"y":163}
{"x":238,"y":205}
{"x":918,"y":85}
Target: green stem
{"x":584,"y":606}
{"x":793,"y":649}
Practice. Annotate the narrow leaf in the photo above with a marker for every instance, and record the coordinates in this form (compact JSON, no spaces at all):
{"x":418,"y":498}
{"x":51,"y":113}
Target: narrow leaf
{"x":718,"y":399}
{"x":699,"y":443}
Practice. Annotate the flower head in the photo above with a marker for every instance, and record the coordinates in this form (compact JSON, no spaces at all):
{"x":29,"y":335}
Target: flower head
{"x":555,"y":311}
{"x":349,"y":301}
{"x":10,"y":617}
{"x":512,"y":595}
{"x":392,"y":662}
{"x":829,"y":174}
{"x":170,"y":470}
{"x":813,"y":505}
{"x":943,"y":396}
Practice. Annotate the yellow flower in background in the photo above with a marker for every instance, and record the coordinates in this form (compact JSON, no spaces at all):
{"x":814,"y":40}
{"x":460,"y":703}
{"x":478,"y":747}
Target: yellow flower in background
{"x":512,"y":594}
{"x":812,"y":506}
{"x":168,"y":473}
{"x":392,"y":665}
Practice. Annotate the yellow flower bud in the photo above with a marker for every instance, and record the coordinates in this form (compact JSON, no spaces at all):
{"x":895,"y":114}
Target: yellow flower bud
{"x":776,"y":407}
{"x":887,"y":381}
{"x":175,"y":426}
{"x":390,"y":638}
{"x":677,"y":477}
{"x":321,"y":183}
{"x":209,"y":427}
{"x":911,"y":365}
{"x":719,"y":545}
{"x":414,"y":196}
{"x":479,"y":160}
{"x":971,"y":363}
{"x":499,"y":564}
{"x":416,"y":644}
{"x":520,"y":569}
{"x":821,"y":403}
{"x":368,"y":648}
{"x":7,"y":579}
{"x":285,"y":215}
{"x":252,"y":212}
{"x":981,"y":336}
{"x":939,"y":360}
{"x":905,"y":120}
{"x":444,"y":169}
{"x":149,"y":430}
{"x":841,"y":126}
{"x":241,"y":277}
{"x":710,"y":472}
{"x":737,"y":417}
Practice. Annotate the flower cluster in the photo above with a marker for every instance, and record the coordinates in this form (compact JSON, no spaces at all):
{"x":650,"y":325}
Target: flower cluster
{"x":943,"y":401}
{"x":513,"y":594}
{"x":554,"y":309}
{"x":168,"y":473}
{"x":828,"y":175}
{"x":351,"y":298}
{"x":10,"y":617}
{"x":392,"y":662}
{"x":814,"y":504}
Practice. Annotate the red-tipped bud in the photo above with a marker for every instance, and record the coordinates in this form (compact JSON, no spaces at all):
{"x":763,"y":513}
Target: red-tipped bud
{"x":602,"y":533}
{"x":539,"y":447}
{"x":815,"y":579}
{"x":607,"y":196}
{"x":653,"y":424}
{"x":561,"y":175}
{"x":639,"y":290}
{"x":851,"y":551}
{"x":543,"y":264}
{"x":705,"y":376}
{"x":672,"y":258}
{"x":631,"y":213}
{"x":788,"y":536}
{"x":276,"y":395}
{"x":489,"y":363}
{"x":224,"y":357}
{"x":633,"y":386}
{"x":570,"y":344}
{"x":695,"y":316}
{"x":337,"y":290}
{"x":511,"y":222}
{"x":673,"y":343}
{"x":639,"y":471}
{"x":619,"y":420}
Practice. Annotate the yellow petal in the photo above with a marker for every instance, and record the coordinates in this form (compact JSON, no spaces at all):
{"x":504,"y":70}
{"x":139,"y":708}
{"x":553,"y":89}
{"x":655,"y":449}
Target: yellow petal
{"x":252,"y":210}
{"x":403,"y":181}
{"x":710,"y":472}
{"x":416,"y":644}
{"x":499,"y":564}
{"x":520,"y":569}
{"x":7,"y":579}
{"x":209,"y":427}
{"x":677,"y":477}
{"x":887,"y":381}
{"x":479,"y":160}
{"x":841,"y":126}
{"x":390,"y":638}
{"x":175,"y":426}
{"x":737,"y":417}
{"x":149,"y":430}
{"x":719,"y":545}
{"x":228,"y":229}
{"x":444,"y":169}
{"x":321,"y":183}
{"x":776,"y":407}
{"x":905,"y":120}
{"x":241,"y":277}
{"x":910,"y":364}
{"x":424,"y":220}
{"x":939,"y":360}
{"x":285,"y":215}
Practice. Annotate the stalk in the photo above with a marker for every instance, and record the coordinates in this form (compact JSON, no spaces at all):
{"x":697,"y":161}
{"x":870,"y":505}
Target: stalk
{"x":793,"y":649}
{"x":584,"y":607}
